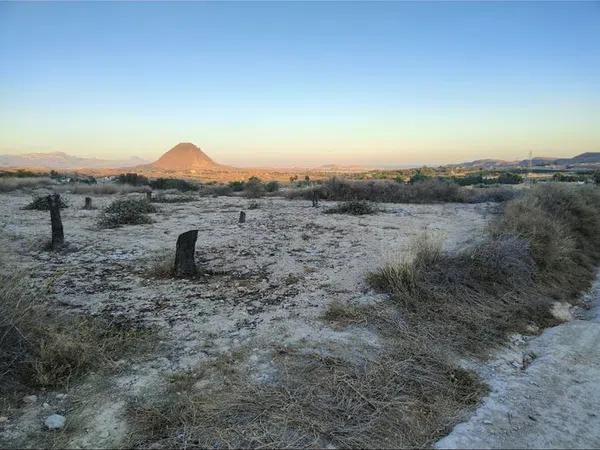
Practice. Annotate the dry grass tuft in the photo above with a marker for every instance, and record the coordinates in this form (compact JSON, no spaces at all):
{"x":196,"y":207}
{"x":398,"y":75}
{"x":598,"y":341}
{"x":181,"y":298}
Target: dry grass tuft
{"x":40,"y":347}
{"x":314,"y":402}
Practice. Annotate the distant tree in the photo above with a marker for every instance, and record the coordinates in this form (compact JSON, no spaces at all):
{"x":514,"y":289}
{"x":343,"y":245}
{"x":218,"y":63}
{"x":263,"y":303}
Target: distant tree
{"x":596,"y":177}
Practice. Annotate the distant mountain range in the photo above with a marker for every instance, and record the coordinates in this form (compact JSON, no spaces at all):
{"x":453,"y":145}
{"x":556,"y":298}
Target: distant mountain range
{"x":582,"y":160}
{"x":186,"y":158}
{"x":60,"y":160}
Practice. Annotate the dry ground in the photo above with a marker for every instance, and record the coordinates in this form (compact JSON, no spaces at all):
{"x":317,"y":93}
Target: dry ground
{"x":268,"y":283}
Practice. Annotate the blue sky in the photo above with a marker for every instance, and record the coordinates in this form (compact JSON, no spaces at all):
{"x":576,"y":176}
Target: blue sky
{"x":302,"y":83}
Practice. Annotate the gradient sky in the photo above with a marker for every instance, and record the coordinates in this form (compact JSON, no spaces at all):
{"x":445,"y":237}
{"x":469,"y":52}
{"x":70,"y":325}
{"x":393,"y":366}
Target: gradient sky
{"x":302,"y":83}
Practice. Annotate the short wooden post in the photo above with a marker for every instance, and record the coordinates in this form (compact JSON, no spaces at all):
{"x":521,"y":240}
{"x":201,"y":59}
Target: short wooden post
{"x":315,"y":199}
{"x":58,"y":237}
{"x":185,"y":266}
{"x":242,"y":217}
{"x":88,"y":203}
{"x":149,"y":196}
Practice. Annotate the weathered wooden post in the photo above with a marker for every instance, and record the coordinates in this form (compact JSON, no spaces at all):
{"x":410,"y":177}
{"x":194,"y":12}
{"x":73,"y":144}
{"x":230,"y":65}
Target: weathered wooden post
{"x":149,"y":196}
{"x":242,"y":217}
{"x":185,"y":266}
{"x":315,"y":199}
{"x":88,"y":203}
{"x":58,"y":237}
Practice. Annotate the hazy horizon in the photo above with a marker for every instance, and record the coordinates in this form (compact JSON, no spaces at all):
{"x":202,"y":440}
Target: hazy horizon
{"x":302,"y":84}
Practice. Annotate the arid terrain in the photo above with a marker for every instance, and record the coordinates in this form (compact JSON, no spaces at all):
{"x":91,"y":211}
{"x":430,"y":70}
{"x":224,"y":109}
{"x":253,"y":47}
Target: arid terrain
{"x":289,"y":310}
{"x":270,"y":281}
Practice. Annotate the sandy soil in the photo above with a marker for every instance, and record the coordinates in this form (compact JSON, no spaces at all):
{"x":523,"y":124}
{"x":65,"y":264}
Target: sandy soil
{"x":545,"y":390}
{"x":271,"y":280}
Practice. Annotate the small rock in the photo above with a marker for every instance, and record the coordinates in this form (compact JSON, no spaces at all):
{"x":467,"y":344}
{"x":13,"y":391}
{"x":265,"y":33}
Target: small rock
{"x":60,"y":396}
{"x":3,"y":419}
{"x":487,"y":422}
{"x":46,"y":405}
{"x":55,"y":422}
{"x":30,"y":398}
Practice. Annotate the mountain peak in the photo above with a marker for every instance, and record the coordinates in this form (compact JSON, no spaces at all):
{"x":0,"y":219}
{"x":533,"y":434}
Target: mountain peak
{"x":184,"y":156}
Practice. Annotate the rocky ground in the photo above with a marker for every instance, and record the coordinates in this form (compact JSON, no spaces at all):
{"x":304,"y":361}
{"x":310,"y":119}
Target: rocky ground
{"x":267,"y":284}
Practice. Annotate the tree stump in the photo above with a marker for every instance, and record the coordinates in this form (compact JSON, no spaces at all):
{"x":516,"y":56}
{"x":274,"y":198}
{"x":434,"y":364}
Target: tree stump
{"x":88,"y":203}
{"x":242,"y":217}
{"x":58,"y":237}
{"x":315,"y":199}
{"x":149,"y":196}
{"x":185,"y":266}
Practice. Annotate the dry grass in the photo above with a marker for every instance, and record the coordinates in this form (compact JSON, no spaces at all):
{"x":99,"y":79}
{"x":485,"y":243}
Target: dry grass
{"x":314,"y":401}
{"x":41,"y":347}
{"x":9,"y":184}
{"x":542,"y":249}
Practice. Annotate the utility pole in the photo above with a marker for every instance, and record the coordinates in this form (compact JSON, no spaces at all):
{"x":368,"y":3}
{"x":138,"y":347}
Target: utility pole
{"x":530,"y":167}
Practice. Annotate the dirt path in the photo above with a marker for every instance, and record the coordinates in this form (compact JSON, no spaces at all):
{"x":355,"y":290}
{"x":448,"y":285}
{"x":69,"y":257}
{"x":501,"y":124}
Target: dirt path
{"x":551,"y":402}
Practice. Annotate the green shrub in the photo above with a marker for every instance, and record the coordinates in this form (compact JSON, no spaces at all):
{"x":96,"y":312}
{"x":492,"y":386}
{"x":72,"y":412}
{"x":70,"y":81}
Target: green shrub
{"x":272,"y":186}
{"x":254,"y":188}
{"x":126,"y":212}
{"x":354,"y":207}
{"x":174,"y":183}
{"x":237,"y":186}
{"x":133,"y":179}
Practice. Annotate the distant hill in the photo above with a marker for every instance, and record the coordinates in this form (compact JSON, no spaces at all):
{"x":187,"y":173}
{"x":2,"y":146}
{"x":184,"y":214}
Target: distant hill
{"x":589,"y":159}
{"x":184,"y":156}
{"x":60,"y":160}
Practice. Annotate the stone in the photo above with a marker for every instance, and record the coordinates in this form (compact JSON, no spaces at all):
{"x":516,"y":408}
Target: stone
{"x":30,"y":399}
{"x":55,"y":422}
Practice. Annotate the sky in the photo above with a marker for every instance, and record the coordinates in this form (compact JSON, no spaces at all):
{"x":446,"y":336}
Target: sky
{"x":302,"y":83}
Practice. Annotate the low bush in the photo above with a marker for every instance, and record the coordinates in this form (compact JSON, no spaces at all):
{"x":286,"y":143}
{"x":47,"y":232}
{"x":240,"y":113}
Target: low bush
{"x":254,"y":188}
{"x":126,"y":212}
{"x":353,"y":207}
{"x":40,"y":203}
{"x":272,"y":186}
{"x":162,"y":198}
{"x":101,"y":188}
{"x":385,"y":191}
